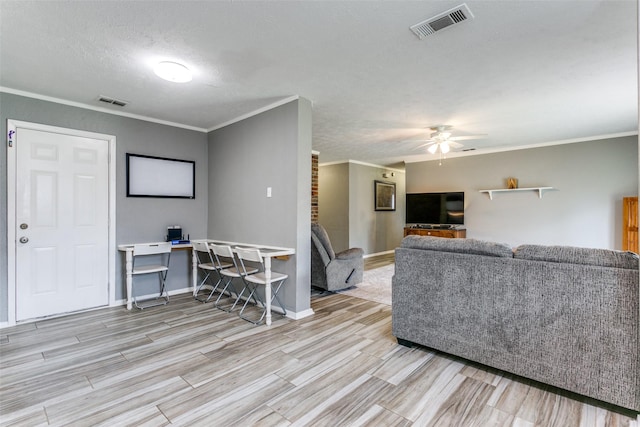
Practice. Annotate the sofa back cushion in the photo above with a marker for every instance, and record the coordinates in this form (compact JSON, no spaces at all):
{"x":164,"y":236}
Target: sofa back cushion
{"x":463,"y":246}
{"x":575,"y":255}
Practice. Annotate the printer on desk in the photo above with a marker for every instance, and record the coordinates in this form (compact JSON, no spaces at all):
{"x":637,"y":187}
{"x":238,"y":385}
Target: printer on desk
{"x":175,"y":236}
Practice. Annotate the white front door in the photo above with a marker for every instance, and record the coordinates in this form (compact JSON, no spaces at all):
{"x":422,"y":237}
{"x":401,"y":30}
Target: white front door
{"x":61,"y":223}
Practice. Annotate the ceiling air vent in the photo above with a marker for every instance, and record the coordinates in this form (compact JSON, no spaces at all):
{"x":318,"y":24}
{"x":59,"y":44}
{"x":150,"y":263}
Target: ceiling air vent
{"x":113,"y":101}
{"x":439,"y":22}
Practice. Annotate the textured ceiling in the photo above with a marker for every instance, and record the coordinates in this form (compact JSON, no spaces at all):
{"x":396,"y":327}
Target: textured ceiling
{"x":522,"y":72}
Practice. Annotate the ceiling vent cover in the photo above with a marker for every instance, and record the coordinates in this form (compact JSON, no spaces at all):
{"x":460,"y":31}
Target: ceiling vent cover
{"x":439,"y":22}
{"x":112,"y":101}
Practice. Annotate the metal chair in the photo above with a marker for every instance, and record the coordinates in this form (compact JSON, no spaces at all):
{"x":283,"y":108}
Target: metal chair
{"x":208,"y":265}
{"x":259,"y":279}
{"x":224,"y":253}
{"x":161,"y":251}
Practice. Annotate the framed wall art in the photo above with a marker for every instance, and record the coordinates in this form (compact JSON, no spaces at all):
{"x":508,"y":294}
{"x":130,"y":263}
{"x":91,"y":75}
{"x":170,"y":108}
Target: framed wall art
{"x":385,"y":196}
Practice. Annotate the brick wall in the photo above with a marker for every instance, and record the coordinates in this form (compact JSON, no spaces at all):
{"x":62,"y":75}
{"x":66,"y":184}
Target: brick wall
{"x":314,"y":188}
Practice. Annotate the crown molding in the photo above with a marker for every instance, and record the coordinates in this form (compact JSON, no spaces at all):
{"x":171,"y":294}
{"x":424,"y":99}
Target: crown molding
{"x":483,"y":151}
{"x":357,"y":162}
{"x":256,"y":112}
{"x":98,"y":109}
{"x":141,"y":117}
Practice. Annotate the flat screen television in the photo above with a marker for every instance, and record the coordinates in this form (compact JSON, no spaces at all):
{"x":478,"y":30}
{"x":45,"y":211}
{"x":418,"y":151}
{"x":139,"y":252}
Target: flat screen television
{"x":435,"y":208}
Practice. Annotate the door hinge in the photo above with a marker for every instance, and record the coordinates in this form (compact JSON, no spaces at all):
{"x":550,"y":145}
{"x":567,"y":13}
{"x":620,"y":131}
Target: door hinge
{"x":11,"y":133}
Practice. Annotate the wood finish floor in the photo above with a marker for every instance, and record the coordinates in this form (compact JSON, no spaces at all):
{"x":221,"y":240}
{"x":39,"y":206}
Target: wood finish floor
{"x":190,"y":364}
{"x":379,"y":261}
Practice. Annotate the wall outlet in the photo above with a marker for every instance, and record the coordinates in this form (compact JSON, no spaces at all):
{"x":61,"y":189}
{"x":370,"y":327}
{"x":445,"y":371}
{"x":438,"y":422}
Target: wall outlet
{"x":268,"y":191}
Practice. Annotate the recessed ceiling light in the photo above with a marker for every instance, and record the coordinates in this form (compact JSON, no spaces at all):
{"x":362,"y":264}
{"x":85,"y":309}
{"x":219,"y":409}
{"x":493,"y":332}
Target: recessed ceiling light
{"x":173,"y":72}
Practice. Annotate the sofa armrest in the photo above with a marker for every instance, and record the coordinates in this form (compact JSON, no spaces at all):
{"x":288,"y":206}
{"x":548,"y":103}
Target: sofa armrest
{"x":350,"y":254}
{"x":345,"y":272}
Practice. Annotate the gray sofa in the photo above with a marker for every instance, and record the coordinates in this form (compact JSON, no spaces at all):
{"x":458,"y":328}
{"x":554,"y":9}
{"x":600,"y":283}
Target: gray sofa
{"x":333,"y":271}
{"x":564,"y":316}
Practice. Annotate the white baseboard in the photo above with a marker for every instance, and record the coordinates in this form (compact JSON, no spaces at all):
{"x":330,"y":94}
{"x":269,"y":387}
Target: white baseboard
{"x":143,"y":297}
{"x":300,"y":314}
{"x":290,"y":314}
{"x":275,"y":308}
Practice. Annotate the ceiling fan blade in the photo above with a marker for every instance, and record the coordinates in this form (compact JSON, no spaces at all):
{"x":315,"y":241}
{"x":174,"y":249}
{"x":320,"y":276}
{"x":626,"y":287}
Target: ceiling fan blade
{"x":467,"y":137}
{"x":416,"y":140}
{"x":424,"y":145}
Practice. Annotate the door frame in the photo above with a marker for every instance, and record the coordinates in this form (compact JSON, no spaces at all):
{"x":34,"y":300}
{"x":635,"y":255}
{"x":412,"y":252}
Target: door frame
{"x":14,"y":125}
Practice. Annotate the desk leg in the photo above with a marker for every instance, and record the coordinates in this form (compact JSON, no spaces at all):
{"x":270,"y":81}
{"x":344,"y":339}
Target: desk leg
{"x":194,"y":271}
{"x":129,"y":278}
{"x":267,"y":289}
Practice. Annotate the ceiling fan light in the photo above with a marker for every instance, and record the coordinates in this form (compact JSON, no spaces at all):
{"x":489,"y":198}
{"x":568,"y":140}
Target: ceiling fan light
{"x":444,"y":147}
{"x":173,"y":72}
{"x":445,"y":135}
{"x":433,"y":148}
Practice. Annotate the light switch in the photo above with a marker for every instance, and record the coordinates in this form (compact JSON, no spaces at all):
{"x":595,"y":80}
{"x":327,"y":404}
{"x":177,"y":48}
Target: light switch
{"x":268,"y":191}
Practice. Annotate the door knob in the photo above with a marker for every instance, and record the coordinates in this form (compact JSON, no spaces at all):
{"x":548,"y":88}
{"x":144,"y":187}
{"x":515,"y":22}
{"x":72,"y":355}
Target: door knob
{"x":24,"y":239}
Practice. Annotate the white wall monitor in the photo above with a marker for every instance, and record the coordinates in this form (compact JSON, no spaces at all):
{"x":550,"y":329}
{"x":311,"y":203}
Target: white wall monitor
{"x":150,"y":176}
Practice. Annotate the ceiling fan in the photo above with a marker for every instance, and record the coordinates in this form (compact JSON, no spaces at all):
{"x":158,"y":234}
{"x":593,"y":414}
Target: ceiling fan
{"x":442,"y":142}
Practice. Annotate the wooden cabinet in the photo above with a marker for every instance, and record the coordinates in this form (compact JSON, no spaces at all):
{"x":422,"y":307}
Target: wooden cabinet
{"x":629,"y":224}
{"x":451,"y":234}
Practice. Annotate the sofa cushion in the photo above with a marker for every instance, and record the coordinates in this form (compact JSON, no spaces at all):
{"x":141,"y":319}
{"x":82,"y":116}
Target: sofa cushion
{"x":575,"y":255}
{"x":464,"y":246}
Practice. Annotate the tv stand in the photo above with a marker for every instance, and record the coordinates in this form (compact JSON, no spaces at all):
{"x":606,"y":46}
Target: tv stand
{"x":443,"y":227}
{"x":448,"y":232}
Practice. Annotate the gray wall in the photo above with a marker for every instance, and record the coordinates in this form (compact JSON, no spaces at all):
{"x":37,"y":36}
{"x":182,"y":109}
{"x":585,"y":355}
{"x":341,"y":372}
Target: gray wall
{"x":586,"y":210}
{"x":346,"y":207}
{"x":272,"y":149}
{"x":137,"y":219}
{"x":333,"y":203}
{"x":374,"y":231}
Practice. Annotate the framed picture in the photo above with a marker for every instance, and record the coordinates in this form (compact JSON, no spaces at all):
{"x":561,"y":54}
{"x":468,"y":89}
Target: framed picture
{"x":149,"y":176}
{"x":385,"y":196}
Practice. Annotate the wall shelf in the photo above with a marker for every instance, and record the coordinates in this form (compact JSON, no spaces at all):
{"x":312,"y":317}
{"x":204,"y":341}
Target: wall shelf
{"x":507,"y":190}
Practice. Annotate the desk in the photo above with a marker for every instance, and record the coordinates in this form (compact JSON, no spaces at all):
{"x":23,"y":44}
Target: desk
{"x":267,"y":253}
